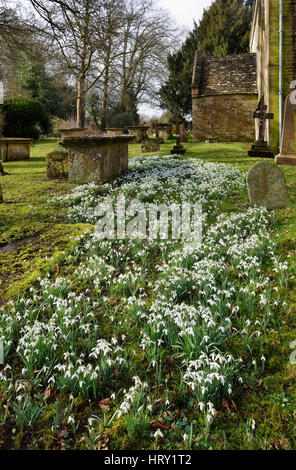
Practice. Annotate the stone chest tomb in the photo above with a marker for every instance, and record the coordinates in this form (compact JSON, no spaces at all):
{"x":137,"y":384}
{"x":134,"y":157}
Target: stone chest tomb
{"x":12,"y":149}
{"x":96,"y":158}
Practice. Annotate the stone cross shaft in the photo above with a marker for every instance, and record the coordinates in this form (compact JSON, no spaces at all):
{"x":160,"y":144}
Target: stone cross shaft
{"x":262,"y":114}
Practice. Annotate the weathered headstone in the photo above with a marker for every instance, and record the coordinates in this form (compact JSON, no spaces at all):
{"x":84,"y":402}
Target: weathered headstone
{"x":267,"y":186}
{"x":261,"y":149}
{"x":287,"y":155}
{"x":166,"y":132}
{"x":57,"y":165}
{"x":140,"y":133}
{"x":150,"y":145}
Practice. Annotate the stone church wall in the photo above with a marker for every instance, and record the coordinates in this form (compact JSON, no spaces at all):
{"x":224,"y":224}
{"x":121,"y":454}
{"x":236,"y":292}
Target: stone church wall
{"x":222,"y":118}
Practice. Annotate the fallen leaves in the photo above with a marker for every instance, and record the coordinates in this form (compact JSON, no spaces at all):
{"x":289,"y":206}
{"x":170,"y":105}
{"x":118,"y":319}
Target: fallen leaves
{"x":105,"y":403}
{"x":227,"y":405}
{"x":155,"y":424}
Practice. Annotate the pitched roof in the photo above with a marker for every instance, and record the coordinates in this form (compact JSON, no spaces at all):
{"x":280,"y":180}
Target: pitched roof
{"x":235,"y":74}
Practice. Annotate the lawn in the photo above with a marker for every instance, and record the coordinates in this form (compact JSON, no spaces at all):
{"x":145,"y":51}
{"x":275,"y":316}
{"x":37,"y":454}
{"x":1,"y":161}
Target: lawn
{"x":141,"y":345}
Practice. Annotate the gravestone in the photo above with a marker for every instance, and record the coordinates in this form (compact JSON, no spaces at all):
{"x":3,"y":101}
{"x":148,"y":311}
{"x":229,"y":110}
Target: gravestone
{"x":139,"y":133}
{"x":287,"y":155}
{"x":261,"y":149}
{"x":150,"y":145}
{"x":166,"y":132}
{"x":57,"y":165}
{"x":267,"y":186}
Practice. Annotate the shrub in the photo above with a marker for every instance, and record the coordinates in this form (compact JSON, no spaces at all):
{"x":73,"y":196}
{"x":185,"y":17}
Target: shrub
{"x":23,"y":117}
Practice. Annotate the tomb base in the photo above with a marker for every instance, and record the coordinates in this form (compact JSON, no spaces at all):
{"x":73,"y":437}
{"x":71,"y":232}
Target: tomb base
{"x":261,"y":150}
{"x":289,"y":159}
{"x":178,"y":150}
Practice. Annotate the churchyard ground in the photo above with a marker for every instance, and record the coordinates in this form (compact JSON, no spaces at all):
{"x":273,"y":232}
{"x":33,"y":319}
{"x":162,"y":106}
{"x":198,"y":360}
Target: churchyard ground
{"x":154,"y":388}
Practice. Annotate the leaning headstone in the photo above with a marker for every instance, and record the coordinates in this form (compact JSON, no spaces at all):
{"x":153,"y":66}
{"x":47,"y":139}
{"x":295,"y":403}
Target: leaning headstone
{"x":267,"y":186}
{"x":150,"y":145}
{"x":57,"y":165}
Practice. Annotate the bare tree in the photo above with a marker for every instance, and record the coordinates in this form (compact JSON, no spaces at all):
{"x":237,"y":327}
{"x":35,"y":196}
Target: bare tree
{"x":78,"y":29}
{"x":148,"y":36}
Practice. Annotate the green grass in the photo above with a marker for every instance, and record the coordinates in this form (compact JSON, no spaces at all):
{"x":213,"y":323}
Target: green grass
{"x":28,"y":225}
{"x":37,"y":238}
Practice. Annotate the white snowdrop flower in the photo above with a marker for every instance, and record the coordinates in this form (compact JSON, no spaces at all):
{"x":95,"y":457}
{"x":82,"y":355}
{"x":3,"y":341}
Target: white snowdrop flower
{"x":158,"y":433}
{"x":71,"y":420}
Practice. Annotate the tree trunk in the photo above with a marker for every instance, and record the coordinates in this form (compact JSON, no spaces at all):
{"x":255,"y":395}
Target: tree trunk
{"x":178,"y":132}
{"x":105,"y":96}
{"x":80,"y":103}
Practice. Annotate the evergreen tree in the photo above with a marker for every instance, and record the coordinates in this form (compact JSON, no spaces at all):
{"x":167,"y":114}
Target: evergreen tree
{"x":225,"y":27}
{"x":175,"y":94}
{"x":33,"y":79}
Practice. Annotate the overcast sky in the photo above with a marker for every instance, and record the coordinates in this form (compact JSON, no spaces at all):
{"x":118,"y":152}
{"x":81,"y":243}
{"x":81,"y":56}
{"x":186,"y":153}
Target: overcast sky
{"x":185,"y":11}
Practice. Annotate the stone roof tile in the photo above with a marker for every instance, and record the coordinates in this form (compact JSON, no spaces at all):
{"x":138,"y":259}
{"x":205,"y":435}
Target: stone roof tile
{"x":235,"y":74}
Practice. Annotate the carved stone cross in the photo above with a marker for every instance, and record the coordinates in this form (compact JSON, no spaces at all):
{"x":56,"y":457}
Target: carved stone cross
{"x":262,"y":114}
